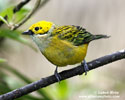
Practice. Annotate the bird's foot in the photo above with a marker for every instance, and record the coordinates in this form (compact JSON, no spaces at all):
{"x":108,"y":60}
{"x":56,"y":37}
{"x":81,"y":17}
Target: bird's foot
{"x":84,"y":64}
{"x":58,"y":77}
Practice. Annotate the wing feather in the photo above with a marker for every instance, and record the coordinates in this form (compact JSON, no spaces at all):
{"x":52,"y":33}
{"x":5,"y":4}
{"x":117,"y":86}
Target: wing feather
{"x":75,"y":34}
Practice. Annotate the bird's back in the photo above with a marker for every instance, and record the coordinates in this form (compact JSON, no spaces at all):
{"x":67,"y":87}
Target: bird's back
{"x":73,"y":34}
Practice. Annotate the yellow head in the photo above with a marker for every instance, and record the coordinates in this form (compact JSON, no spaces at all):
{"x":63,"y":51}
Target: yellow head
{"x":41,"y":27}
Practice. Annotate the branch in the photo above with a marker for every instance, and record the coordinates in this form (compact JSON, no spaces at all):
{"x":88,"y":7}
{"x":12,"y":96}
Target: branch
{"x":64,"y":75}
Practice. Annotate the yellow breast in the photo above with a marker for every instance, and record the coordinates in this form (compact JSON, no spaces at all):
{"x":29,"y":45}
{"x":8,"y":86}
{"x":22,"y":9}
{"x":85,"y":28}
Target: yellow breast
{"x":62,"y":53}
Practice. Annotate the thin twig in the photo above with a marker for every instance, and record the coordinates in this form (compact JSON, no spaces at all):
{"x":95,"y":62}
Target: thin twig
{"x":16,"y":9}
{"x":43,"y":3}
{"x":37,"y":5}
{"x":28,"y":16}
{"x":1,"y":22}
{"x":64,"y":75}
{"x":20,"y":5}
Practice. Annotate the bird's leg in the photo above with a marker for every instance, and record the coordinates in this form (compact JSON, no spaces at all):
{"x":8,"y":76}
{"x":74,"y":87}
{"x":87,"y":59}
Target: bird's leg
{"x":84,"y":64}
{"x":57,"y":74}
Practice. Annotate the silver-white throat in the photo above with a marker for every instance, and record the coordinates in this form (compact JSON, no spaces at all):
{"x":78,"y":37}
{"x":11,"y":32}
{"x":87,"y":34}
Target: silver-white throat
{"x":43,"y":40}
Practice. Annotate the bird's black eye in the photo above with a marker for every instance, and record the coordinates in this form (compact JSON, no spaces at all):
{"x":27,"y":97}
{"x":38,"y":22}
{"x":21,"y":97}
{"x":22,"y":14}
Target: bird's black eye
{"x":36,"y":28}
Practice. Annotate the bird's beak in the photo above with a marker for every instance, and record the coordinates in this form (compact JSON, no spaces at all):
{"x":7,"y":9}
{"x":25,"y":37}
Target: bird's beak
{"x":29,"y":32}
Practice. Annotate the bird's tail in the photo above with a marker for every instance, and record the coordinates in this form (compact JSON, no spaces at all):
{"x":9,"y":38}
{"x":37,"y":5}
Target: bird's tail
{"x":94,"y":37}
{"x":99,"y":36}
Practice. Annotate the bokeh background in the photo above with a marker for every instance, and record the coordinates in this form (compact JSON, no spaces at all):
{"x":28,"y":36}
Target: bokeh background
{"x":98,"y":17}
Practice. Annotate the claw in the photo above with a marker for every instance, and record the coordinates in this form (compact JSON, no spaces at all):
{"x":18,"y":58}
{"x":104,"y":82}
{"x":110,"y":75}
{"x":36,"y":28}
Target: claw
{"x":58,"y":77}
{"x":85,"y":66}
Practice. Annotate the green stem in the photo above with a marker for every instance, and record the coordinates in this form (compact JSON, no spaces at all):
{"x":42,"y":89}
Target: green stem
{"x":4,"y":20}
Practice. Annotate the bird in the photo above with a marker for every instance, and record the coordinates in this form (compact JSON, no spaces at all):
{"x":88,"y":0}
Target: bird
{"x":62,"y":45}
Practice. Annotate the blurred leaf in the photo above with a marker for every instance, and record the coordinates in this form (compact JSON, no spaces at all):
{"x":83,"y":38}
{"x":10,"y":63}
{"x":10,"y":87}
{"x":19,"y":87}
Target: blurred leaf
{"x":8,"y":12}
{"x":14,"y":17}
{"x":27,"y":80}
{"x":2,"y":60}
{"x":18,"y":16}
{"x":7,"y":84}
{"x":4,"y":88}
{"x":15,"y":35}
{"x":60,"y":91}
{"x":12,"y":34}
